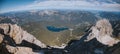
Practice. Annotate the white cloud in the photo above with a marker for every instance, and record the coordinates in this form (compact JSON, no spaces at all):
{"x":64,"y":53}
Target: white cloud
{"x":81,"y":5}
{"x":76,"y":5}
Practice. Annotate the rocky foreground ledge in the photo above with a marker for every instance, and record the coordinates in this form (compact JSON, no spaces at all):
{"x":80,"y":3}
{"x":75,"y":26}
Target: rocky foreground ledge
{"x":15,"y":40}
{"x":102,"y":38}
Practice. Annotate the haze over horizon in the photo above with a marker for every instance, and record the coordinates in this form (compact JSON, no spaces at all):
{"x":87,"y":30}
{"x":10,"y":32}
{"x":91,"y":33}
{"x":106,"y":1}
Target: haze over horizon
{"x":19,"y":5}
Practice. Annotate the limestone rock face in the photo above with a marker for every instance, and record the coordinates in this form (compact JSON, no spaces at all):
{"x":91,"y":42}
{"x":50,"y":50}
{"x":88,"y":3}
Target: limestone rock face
{"x":12,"y":36}
{"x":102,"y":38}
{"x":20,"y":50}
{"x":102,"y":31}
{"x":1,"y":38}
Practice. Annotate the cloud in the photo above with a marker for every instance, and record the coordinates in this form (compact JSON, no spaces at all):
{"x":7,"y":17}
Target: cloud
{"x":72,"y":4}
{"x":96,"y":5}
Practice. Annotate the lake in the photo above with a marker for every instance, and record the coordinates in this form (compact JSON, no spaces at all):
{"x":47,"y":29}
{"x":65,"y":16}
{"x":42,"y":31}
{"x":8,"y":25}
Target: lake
{"x":56,"y":29}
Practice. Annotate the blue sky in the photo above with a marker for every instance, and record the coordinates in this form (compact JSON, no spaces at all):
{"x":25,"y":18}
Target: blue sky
{"x":18,"y":5}
{"x":6,"y":5}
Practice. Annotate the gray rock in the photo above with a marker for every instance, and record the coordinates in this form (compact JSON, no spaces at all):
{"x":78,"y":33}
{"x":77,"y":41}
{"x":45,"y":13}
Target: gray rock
{"x":13,"y":36}
{"x":102,"y":31}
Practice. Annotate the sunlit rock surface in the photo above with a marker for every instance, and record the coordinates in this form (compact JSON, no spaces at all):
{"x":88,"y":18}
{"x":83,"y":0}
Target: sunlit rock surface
{"x":12,"y":36}
{"x":19,"y":34}
{"x":102,"y":31}
{"x":100,"y":39}
{"x":20,"y":50}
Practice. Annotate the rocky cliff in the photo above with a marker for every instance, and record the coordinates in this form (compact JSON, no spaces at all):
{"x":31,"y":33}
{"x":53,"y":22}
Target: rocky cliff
{"x":102,"y":38}
{"x":15,"y":40}
{"x":102,"y":31}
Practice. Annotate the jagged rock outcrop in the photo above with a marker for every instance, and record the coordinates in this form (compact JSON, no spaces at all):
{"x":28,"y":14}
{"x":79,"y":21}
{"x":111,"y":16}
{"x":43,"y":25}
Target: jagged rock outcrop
{"x":100,"y":39}
{"x":20,"y":50}
{"x":102,"y":31}
{"x":15,"y":40}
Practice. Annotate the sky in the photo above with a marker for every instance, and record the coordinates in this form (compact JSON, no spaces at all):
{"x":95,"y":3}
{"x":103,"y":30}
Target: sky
{"x":19,"y":5}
